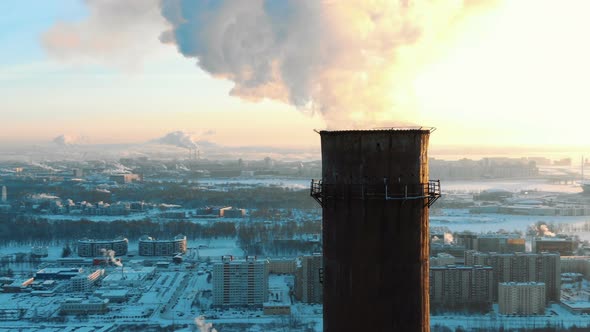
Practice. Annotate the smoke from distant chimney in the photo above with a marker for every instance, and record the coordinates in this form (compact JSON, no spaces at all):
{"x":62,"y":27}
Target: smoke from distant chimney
{"x":67,"y":140}
{"x":449,"y":238}
{"x":179,"y":139}
{"x":109,"y":256}
{"x":204,"y":326}
{"x":543,"y":230}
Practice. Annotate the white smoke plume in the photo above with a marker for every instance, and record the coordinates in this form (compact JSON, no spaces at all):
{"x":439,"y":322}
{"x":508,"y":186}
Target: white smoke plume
{"x":180,"y":139}
{"x":353,"y":61}
{"x":204,"y":326}
{"x":68,"y":140}
{"x":114,"y":32}
{"x":348,"y":59}
{"x":543,"y":230}
{"x":109,"y":256}
{"x":449,"y":238}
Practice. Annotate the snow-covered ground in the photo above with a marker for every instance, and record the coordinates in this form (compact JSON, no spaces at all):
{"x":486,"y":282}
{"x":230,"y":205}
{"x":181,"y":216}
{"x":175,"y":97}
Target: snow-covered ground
{"x":555,"y":315}
{"x":513,"y":185}
{"x":458,"y":220}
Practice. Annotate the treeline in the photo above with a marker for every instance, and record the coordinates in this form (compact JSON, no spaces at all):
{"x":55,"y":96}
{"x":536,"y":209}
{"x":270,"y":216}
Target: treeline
{"x":261,"y":238}
{"x":192,"y":197}
{"x":29,"y":229}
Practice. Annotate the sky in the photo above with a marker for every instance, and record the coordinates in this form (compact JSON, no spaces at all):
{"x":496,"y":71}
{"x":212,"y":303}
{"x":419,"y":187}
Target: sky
{"x":511,"y":74}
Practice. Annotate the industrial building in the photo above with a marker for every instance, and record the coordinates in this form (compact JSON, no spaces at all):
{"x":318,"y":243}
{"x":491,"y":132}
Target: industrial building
{"x":493,"y":242}
{"x":521,"y":298}
{"x":461,"y":287}
{"x":564,"y":246}
{"x":240,"y":283}
{"x":128,"y":276}
{"x":96,"y":248}
{"x":149,"y":246}
{"x":57,"y":273}
{"x":84,"y":306}
{"x":522,"y":267}
{"x":375,"y":195}
{"x":502,"y":243}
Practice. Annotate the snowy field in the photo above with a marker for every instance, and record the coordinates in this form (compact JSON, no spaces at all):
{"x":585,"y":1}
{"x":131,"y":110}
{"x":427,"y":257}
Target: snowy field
{"x":458,"y":220}
{"x":555,"y":315}
{"x":513,"y":185}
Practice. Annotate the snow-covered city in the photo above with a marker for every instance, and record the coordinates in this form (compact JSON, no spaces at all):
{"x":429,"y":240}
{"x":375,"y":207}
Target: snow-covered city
{"x":93,"y":247}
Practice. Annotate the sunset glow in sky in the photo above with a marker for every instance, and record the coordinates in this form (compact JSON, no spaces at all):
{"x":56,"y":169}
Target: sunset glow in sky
{"x":513,"y":73}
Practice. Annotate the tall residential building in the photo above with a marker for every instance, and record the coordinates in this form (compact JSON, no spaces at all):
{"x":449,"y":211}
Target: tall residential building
{"x":521,"y":298}
{"x":461,"y":287}
{"x":522,"y":267}
{"x":576,"y":264}
{"x":240,"y":283}
{"x":308,"y":283}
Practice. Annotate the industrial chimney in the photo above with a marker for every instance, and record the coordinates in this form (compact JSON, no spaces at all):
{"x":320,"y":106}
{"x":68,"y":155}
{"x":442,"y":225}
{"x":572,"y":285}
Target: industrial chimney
{"x":375,"y":194}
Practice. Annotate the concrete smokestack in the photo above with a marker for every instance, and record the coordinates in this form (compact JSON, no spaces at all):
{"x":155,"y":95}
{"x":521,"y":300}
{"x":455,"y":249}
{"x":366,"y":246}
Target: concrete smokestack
{"x":375,"y":194}
{"x":4,"y":195}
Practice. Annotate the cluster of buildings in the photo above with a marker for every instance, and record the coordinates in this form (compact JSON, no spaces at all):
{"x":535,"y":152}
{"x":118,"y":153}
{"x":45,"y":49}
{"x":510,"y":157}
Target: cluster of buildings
{"x":497,"y":277}
{"x":245,"y":282}
{"x":221,"y":211}
{"x":53,"y":204}
{"x":472,"y":271}
{"x":147,"y":246}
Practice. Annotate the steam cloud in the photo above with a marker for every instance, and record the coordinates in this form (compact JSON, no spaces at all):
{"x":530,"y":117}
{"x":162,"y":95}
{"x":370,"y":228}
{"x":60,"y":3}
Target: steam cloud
{"x":109,"y":256}
{"x":352,"y":61}
{"x":449,"y":238}
{"x":115,"y":32}
{"x":203,"y":326}
{"x":65,"y":140}
{"x":543,"y":230}
{"x":180,"y":139}
{"x":345,"y":59}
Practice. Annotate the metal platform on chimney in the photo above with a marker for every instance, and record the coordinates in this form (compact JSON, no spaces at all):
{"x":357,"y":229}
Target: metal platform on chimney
{"x":400,"y":192}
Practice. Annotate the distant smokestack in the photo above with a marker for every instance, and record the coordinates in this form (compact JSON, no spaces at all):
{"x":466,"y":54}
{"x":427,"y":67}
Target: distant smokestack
{"x":375,"y":194}
{"x":4,"y":194}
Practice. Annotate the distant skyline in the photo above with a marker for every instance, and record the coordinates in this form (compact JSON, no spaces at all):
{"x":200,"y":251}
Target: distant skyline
{"x":514,"y":75}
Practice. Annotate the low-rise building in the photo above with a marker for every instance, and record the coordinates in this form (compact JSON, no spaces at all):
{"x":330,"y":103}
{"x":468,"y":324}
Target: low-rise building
{"x":96,"y":248}
{"x":564,"y":246}
{"x":149,"y":246}
{"x":84,"y":306}
{"x":282,"y":266}
{"x":83,"y":282}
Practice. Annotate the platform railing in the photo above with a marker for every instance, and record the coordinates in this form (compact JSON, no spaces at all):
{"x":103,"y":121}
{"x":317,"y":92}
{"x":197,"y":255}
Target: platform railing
{"x":430,"y":191}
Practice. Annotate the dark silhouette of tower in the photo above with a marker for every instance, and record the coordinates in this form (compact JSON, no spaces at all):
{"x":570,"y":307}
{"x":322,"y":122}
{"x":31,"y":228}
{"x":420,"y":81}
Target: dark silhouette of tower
{"x":375,"y":194}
